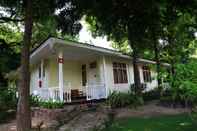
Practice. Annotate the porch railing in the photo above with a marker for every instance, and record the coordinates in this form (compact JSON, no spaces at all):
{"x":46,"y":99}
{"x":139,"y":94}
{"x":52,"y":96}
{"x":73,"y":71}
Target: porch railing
{"x":67,"y":93}
{"x":54,"y":93}
{"x":95,"y":91}
{"x":49,"y":93}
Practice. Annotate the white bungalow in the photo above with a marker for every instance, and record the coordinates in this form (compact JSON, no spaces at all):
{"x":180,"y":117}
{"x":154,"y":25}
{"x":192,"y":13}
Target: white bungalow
{"x":67,"y":71}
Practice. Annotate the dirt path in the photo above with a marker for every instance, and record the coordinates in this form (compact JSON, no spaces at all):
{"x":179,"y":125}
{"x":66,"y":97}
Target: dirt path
{"x":11,"y":126}
{"x":148,"y":110}
{"x":85,"y":121}
{"x":88,"y":120}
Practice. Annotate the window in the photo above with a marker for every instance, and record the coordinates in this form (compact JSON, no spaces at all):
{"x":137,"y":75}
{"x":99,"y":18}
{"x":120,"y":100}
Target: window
{"x":84,"y":76}
{"x":43,"y":69}
{"x":93,"y":65}
{"x":146,"y":74}
{"x":39,"y":72}
{"x":120,"y":73}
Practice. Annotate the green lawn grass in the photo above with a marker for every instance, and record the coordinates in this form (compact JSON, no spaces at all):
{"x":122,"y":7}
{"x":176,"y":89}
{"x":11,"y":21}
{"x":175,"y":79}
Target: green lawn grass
{"x":162,"y":123}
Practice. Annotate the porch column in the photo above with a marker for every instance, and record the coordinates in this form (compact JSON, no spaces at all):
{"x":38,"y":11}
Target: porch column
{"x":105,"y":76}
{"x":61,"y":75}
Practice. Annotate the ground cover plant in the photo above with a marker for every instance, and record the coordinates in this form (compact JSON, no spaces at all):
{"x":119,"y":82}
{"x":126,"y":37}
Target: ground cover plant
{"x":36,"y":101}
{"x":121,"y":99}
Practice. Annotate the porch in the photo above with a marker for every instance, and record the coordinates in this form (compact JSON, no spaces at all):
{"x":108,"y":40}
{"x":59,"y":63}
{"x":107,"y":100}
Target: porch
{"x":69,"y":73}
{"x":91,"y":92}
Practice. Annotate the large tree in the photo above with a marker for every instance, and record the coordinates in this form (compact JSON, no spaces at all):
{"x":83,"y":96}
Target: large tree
{"x":142,"y":23}
{"x":178,"y":31}
{"x":23,"y":109}
{"x":29,"y":13}
{"x":120,"y":21}
{"x":9,"y":53}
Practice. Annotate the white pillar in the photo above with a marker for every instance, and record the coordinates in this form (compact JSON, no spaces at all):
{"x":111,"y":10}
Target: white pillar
{"x":61,"y":75}
{"x":105,"y":76}
{"x":128,"y":73}
{"x":42,"y":68}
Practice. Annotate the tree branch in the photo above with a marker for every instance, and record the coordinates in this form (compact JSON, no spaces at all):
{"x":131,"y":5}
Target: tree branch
{"x":8,"y":19}
{"x":11,"y":44}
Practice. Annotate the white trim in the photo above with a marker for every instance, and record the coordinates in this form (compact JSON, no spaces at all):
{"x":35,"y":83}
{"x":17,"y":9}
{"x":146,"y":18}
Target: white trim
{"x":49,"y":42}
{"x":128,"y":74}
{"x":61,"y":76}
{"x":105,"y":76}
{"x":91,"y":47}
{"x":57,"y":41}
{"x":41,"y":73}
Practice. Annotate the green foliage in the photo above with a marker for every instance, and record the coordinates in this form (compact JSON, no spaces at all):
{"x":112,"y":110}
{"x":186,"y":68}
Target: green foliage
{"x":184,"y":82}
{"x":36,"y":101}
{"x":120,"y":99}
{"x":9,"y":51}
{"x":8,"y":99}
{"x":167,"y":100}
{"x":50,"y":104}
{"x":151,"y":95}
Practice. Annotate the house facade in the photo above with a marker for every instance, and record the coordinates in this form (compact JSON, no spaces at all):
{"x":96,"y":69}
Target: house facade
{"x":68,"y":71}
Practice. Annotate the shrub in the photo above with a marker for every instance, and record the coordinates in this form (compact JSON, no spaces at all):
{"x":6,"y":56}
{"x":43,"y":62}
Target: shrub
{"x":155,"y":94}
{"x":35,"y":100}
{"x":184,"y":83}
{"x":151,"y":95}
{"x":119,"y":99}
{"x":8,"y":99}
{"x":50,"y":104}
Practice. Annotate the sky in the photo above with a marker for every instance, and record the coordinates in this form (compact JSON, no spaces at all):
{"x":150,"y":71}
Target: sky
{"x":86,"y":37}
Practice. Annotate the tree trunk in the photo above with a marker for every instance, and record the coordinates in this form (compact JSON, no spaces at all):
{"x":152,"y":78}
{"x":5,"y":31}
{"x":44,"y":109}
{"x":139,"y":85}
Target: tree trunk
{"x":172,"y":71}
{"x":23,"y":108}
{"x":172,"y":61}
{"x":137,"y":82}
{"x":158,"y":64}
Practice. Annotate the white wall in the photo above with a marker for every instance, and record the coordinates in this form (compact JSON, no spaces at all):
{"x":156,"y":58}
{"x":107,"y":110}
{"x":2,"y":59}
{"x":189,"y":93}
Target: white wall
{"x":34,"y":76}
{"x":72,"y":73}
{"x":125,"y":87}
{"x":150,"y":85}
{"x":33,"y":79}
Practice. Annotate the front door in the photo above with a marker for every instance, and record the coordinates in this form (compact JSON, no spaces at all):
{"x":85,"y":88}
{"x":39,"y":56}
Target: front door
{"x":92,"y":73}
{"x":84,"y":75}
{"x":92,"y":76}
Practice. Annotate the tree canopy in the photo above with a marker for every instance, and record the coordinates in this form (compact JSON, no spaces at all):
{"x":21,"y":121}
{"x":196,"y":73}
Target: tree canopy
{"x":144,"y":25}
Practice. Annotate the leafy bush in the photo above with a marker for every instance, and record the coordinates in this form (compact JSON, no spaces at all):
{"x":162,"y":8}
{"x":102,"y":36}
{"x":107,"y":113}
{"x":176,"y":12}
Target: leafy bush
{"x":8,"y":99}
{"x":50,"y":104}
{"x":8,"y":102}
{"x":35,"y":100}
{"x":184,"y":83}
{"x":120,"y":99}
{"x":151,"y":95}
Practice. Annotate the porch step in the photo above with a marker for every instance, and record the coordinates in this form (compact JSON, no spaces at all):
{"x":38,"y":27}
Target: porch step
{"x":70,"y":115}
{"x":78,"y":98}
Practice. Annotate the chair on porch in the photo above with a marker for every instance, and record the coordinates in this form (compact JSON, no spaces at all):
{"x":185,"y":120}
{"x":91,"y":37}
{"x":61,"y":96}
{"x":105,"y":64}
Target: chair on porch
{"x":76,"y":94}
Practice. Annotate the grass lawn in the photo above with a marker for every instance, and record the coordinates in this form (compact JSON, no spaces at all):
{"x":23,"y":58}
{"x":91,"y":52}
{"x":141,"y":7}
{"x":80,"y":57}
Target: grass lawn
{"x":162,"y":123}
